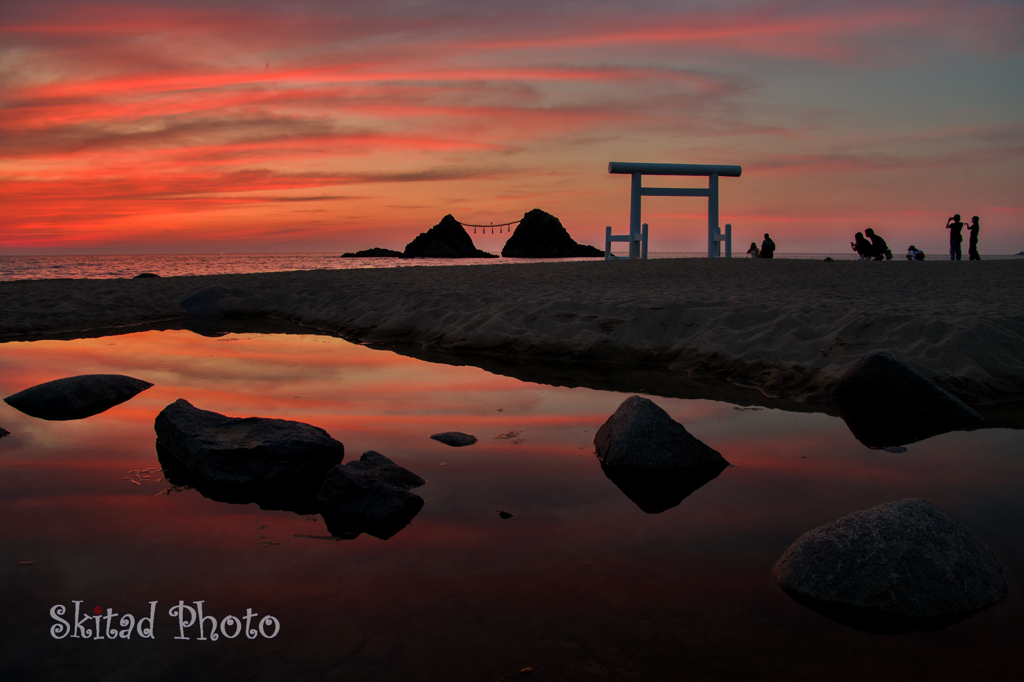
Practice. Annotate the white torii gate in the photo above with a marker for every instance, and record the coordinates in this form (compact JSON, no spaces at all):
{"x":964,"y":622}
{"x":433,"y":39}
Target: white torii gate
{"x":637,"y":236}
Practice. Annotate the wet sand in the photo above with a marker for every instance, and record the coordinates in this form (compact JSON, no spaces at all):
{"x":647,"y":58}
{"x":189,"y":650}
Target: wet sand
{"x":786,"y":327}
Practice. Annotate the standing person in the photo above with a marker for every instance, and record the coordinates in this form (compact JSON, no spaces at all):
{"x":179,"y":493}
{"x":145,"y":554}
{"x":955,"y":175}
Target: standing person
{"x":752,"y":251}
{"x":767,"y":247}
{"x":879,"y":249}
{"x":956,"y":236}
{"x":972,"y":248}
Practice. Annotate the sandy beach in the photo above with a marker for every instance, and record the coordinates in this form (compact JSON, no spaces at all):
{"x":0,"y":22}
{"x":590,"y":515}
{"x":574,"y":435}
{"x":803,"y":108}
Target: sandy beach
{"x":786,"y":327}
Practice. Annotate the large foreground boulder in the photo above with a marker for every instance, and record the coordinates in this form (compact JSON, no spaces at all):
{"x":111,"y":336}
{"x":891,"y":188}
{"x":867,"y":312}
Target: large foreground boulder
{"x":895,"y":567}
{"x":885,"y":403}
{"x":652,"y":458}
{"x":371,"y":496}
{"x":447,"y":239}
{"x":541,"y":235}
{"x":252,"y":451}
{"x":76,"y":397}
{"x":641,"y":435}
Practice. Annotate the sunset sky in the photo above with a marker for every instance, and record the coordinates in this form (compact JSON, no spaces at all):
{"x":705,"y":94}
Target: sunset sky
{"x":191,"y":127}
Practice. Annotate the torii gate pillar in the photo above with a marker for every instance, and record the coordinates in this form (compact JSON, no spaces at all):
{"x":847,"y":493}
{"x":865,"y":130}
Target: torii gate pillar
{"x":638,"y":235}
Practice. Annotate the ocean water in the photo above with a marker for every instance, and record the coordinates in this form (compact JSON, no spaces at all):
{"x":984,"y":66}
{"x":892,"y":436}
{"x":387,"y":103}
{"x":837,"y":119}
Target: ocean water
{"x":585,"y":581}
{"x":114,"y":267}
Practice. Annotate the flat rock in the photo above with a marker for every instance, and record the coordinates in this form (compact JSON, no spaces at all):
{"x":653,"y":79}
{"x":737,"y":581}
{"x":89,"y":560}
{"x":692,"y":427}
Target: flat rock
{"x":375,"y":252}
{"x":895,"y":567}
{"x":76,"y":397}
{"x":370,"y":495}
{"x":447,"y":239}
{"x":541,"y":235}
{"x":456,"y":439}
{"x":146,"y":275}
{"x":641,"y":435}
{"x":248,"y":451}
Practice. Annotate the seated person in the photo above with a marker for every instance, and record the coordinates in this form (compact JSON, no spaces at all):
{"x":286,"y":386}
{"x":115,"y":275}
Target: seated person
{"x":914,"y":253}
{"x":861,"y":246}
{"x":752,"y":251}
{"x":879,"y":249}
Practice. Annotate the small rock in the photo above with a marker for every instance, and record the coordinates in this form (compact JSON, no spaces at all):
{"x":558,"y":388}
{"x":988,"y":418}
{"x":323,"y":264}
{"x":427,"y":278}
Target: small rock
{"x":76,"y":397}
{"x":371,"y":496}
{"x":504,"y":514}
{"x":146,"y":275}
{"x":249,"y":451}
{"x":456,"y":439}
{"x":895,"y":567}
{"x":4,"y":432}
{"x":642,"y":435}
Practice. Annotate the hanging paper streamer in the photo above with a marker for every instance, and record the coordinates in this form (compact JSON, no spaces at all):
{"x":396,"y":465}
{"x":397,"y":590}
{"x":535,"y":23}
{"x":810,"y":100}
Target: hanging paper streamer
{"x":483,"y":228}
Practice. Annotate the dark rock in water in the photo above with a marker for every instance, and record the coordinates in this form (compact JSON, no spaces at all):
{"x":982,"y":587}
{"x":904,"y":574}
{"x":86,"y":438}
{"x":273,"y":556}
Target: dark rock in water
{"x":216,"y":302}
{"x":447,"y":239}
{"x":298,"y":499}
{"x":886,"y":403}
{"x":204,"y":303}
{"x":76,"y":397}
{"x":541,"y":235}
{"x":375,"y":252}
{"x":4,"y":432}
{"x":657,"y":490}
{"x":264,"y":454}
{"x":504,"y":514}
{"x":146,"y":275}
{"x":456,"y":439}
{"x":642,"y":435}
{"x":369,"y":496}
{"x":896,"y":567}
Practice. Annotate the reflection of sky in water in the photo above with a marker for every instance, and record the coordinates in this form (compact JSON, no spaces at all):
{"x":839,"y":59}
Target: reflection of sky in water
{"x":580,"y":583}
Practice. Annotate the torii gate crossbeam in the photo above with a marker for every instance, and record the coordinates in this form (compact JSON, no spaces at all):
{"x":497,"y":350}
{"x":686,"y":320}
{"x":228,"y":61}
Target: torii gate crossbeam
{"x":637,"y":190}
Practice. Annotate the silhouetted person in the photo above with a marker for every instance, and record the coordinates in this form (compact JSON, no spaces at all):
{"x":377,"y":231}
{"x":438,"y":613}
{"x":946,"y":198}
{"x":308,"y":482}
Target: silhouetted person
{"x":861,"y":246}
{"x":752,"y":251}
{"x":767,"y":247}
{"x":914,"y":253}
{"x":879,"y":249}
{"x":972,"y":248}
{"x":956,"y":236}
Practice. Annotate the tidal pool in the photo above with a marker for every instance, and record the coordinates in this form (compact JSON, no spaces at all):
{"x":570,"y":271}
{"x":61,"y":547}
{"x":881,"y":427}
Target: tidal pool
{"x":580,"y":583}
